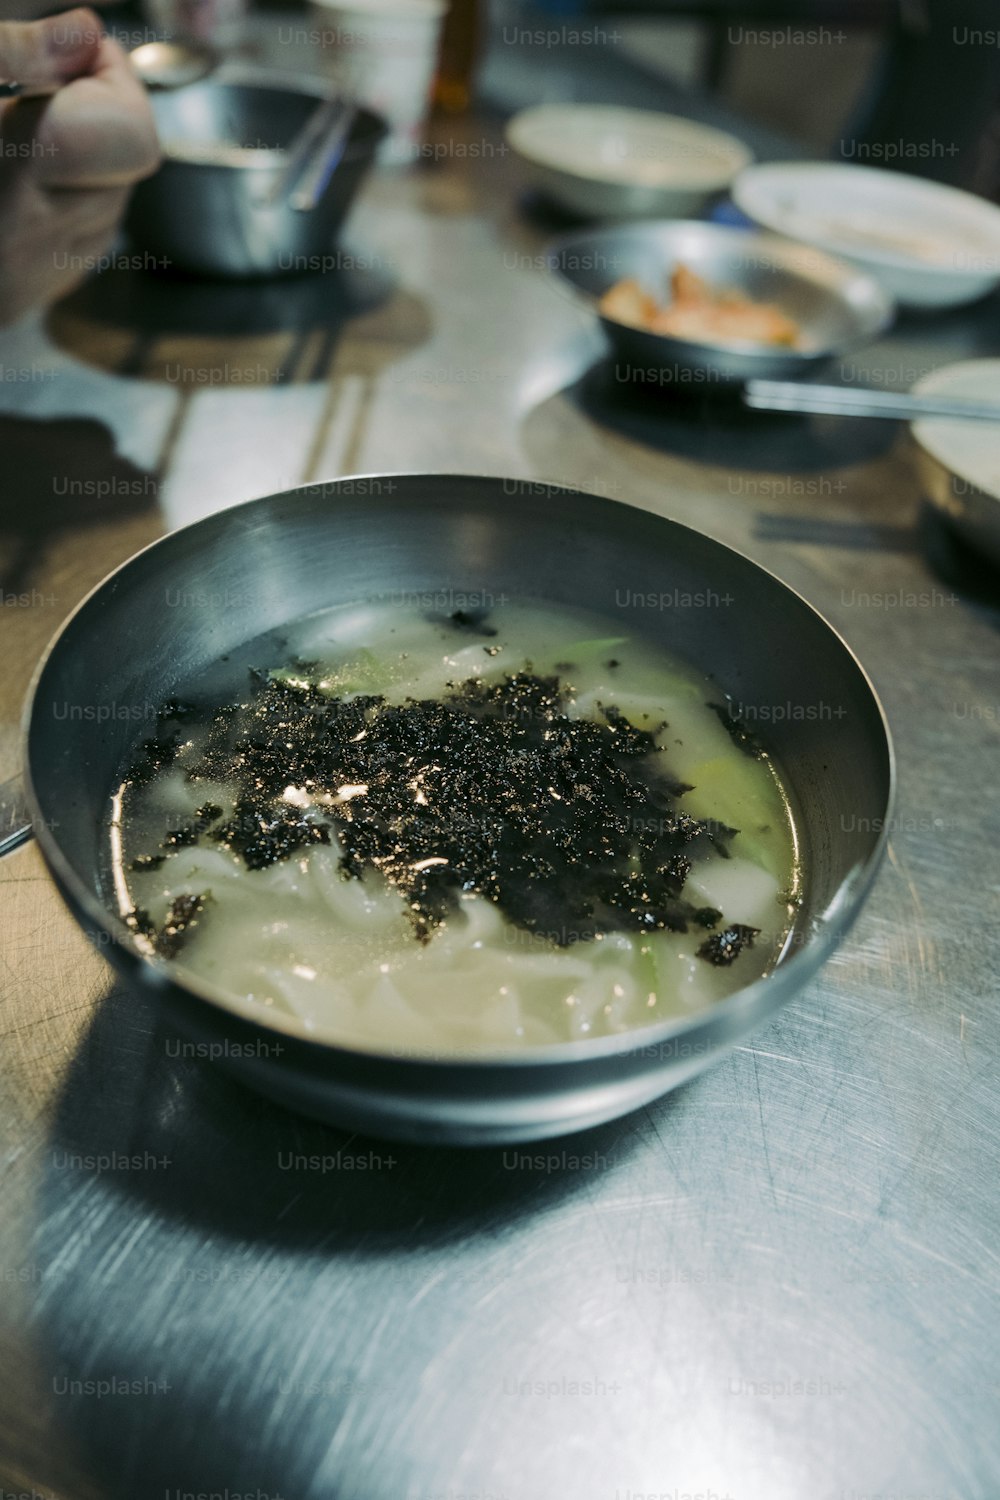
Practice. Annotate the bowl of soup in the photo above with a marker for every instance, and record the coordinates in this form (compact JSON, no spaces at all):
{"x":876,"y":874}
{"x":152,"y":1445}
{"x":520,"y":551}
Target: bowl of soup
{"x":457,"y":808}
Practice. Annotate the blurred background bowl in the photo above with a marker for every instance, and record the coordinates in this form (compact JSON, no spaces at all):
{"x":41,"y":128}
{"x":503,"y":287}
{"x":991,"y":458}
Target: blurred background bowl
{"x":959,"y":462}
{"x":602,"y":161}
{"x":836,"y":306}
{"x":225,"y":145}
{"x":929,"y":245}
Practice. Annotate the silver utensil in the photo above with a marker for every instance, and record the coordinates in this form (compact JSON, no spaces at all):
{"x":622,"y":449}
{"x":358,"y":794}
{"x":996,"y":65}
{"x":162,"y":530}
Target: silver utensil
{"x":171,"y":65}
{"x":842,"y":401}
{"x":313,"y":156}
{"x":15,"y":820}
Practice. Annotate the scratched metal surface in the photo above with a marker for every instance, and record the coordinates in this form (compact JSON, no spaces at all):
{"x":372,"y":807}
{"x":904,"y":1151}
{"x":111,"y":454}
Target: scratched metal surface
{"x":779,"y":1283}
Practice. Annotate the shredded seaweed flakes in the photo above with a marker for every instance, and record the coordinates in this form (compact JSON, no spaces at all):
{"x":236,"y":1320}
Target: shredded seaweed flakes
{"x":571,"y":826}
{"x":723,"y":948}
{"x":182,"y":916}
{"x":738,"y":730}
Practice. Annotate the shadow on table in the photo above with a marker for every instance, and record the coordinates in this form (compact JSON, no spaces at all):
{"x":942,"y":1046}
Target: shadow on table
{"x":183,"y":1247}
{"x":716,"y":429}
{"x":957,"y":564}
{"x":127,"y":296}
{"x":61,"y":474}
{"x":131,"y":320}
{"x":135,"y":1078}
{"x":545,"y":214}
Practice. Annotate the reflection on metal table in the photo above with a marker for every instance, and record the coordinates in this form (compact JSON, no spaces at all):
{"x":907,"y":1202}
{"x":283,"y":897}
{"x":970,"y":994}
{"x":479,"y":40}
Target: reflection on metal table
{"x":779,"y":1282}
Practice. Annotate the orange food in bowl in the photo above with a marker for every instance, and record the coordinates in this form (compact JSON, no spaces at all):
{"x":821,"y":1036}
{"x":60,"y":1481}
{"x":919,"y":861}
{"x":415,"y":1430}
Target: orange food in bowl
{"x":699,"y":312}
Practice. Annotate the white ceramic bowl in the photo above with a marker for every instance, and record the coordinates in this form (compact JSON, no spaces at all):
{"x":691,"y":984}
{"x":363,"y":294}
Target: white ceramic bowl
{"x":929,"y":245}
{"x":959,"y":462}
{"x":602,"y":161}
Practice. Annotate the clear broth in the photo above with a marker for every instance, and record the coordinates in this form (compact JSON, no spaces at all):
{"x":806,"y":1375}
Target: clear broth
{"x":341,"y":955}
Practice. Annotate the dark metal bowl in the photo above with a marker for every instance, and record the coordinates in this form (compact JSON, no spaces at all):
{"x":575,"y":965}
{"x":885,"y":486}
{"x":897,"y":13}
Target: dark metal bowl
{"x":836,"y":306}
{"x":262,"y":565}
{"x":224,"y":142}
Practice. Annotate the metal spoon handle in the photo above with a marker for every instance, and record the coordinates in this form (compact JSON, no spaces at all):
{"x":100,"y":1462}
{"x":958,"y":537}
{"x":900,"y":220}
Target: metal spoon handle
{"x":839,"y":400}
{"x":323,"y":162}
{"x":313,"y":155}
{"x":15,"y":824}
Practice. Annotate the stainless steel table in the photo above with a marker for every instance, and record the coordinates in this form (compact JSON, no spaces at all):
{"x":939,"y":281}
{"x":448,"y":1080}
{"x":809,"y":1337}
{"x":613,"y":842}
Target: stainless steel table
{"x":779,"y":1283}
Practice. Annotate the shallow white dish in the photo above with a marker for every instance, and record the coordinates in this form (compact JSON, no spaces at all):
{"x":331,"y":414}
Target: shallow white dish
{"x":929,"y":245}
{"x":602,"y":161}
{"x":959,"y":462}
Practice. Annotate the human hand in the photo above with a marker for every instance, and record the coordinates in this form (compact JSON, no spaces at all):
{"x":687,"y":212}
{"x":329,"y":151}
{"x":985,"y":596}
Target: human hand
{"x":72,"y":143}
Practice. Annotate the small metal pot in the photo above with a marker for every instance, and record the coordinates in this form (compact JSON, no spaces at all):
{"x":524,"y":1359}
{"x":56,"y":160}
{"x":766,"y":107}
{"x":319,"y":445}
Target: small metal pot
{"x":836,"y":306}
{"x":211,"y":208}
{"x":259,"y":566}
